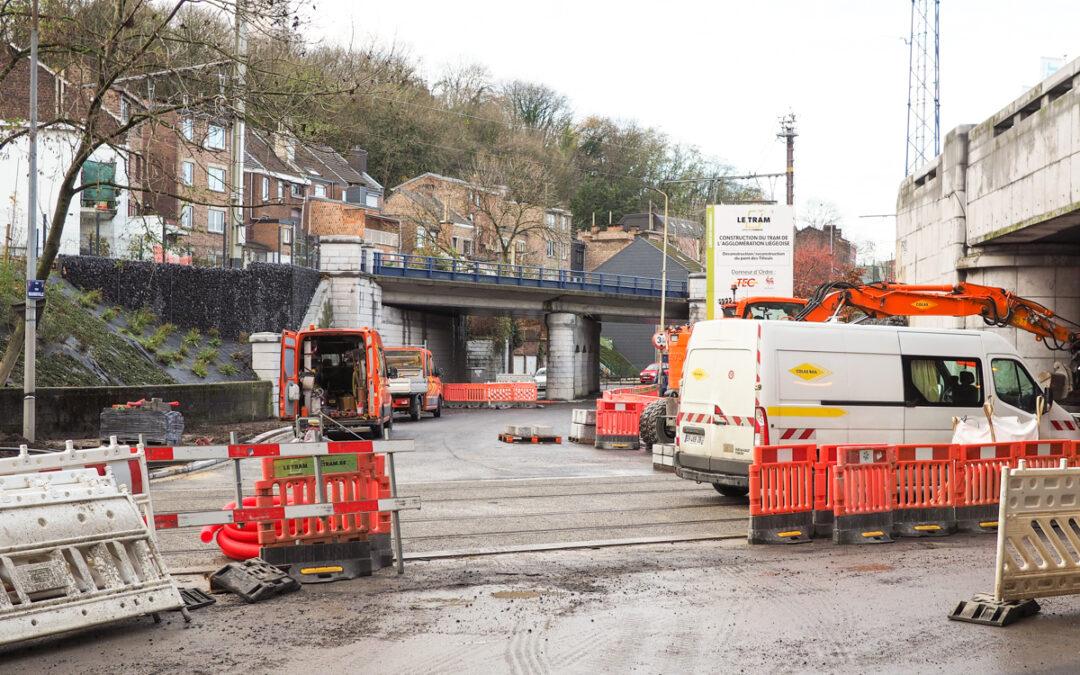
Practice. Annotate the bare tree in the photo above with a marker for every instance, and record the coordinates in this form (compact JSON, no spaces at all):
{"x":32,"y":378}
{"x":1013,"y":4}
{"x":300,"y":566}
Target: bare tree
{"x":512,"y":197}
{"x":123,"y":66}
{"x":818,"y":213}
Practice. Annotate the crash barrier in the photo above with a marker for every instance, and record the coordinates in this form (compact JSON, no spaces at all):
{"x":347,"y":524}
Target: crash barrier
{"x":663,"y":457}
{"x":1038,"y":546}
{"x":782,"y":494}
{"x":643,"y":390}
{"x":490,"y":394}
{"x":618,"y":418}
{"x":126,"y":464}
{"x":871,"y":493}
{"x":315,"y":499}
{"x":74,"y":553}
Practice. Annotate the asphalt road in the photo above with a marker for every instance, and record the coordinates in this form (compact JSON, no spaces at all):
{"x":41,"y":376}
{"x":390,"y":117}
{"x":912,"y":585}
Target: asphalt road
{"x":701,"y":606}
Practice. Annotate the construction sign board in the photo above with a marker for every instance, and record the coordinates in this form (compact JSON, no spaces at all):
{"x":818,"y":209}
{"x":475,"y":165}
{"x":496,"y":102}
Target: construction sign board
{"x":749,"y":248}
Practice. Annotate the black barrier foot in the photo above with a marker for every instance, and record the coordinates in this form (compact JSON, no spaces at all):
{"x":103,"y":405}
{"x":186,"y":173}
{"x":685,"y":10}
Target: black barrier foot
{"x":253,"y":580}
{"x":984,"y":609}
{"x":320,"y":563}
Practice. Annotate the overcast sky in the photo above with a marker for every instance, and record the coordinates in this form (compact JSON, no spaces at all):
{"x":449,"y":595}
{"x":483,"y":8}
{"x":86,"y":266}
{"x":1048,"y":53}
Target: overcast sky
{"x":718,"y":74}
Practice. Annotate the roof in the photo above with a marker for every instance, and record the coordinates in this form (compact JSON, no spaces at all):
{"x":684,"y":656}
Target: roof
{"x":310,"y":161}
{"x":680,"y":227}
{"x":643,"y":258}
{"x":433,"y":204}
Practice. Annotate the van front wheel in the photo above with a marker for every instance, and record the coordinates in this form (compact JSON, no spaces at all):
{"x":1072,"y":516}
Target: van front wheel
{"x":731,"y":490}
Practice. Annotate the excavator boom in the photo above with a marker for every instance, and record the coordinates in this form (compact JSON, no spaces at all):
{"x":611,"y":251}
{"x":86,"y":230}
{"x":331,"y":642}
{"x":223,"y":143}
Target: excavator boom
{"x":996,"y":306}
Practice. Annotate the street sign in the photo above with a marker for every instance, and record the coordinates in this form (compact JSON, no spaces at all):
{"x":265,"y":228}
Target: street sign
{"x":749,"y":251}
{"x":35,"y":289}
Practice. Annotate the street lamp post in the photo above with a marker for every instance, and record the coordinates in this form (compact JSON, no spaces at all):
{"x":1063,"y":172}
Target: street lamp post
{"x":660,"y":383}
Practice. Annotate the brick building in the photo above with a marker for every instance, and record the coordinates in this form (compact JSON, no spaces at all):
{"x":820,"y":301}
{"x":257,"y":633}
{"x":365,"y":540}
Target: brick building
{"x":441,"y":215}
{"x":684,"y":235}
{"x":296,"y":192}
{"x":830,"y":237}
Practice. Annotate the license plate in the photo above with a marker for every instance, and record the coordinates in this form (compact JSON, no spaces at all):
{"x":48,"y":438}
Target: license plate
{"x":693,"y":437}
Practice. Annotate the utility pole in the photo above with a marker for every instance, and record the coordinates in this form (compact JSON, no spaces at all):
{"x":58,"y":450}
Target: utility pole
{"x":30,"y":345}
{"x":787,"y":132}
{"x":236,"y":250}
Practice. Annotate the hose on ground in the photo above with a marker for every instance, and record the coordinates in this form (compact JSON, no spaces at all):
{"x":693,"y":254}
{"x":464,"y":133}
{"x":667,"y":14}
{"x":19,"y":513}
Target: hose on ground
{"x":238,"y":542}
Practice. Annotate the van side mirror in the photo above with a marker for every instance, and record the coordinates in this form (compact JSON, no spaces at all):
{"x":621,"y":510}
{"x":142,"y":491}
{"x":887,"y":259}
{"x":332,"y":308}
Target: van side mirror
{"x":391,"y":371}
{"x":1048,"y":397}
{"x":292,"y":391}
{"x":436,"y":372}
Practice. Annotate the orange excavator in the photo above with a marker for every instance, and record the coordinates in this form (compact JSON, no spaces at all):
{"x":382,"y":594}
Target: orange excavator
{"x":997,"y":307}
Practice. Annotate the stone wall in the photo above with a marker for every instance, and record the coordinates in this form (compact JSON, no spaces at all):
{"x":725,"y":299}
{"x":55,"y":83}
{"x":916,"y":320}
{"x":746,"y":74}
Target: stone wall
{"x":73,"y":412}
{"x":263,"y":297}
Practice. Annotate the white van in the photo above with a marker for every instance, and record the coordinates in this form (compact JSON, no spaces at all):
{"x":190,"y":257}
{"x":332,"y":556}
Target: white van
{"x":748,"y":383}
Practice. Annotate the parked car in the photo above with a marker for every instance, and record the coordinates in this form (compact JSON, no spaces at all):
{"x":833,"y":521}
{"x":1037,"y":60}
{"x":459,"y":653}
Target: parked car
{"x":540,"y":377}
{"x":648,"y":376}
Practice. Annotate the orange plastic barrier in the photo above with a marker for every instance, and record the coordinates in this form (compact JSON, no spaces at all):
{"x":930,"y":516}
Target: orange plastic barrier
{"x":490,"y":393}
{"x":346,"y":478}
{"x":782,"y":494}
{"x":864,"y":494}
{"x":618,"y":429}
{"x":1044,"y":454}
{"x":925,"y":491}
{"x":978,"y":484}
{"x":824,"y":471}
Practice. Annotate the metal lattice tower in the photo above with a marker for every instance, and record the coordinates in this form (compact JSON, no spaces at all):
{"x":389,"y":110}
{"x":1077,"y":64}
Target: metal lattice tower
{"x":924,"y":85}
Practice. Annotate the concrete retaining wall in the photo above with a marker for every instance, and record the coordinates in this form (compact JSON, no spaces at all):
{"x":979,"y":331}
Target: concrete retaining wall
{"x":73,"y":412}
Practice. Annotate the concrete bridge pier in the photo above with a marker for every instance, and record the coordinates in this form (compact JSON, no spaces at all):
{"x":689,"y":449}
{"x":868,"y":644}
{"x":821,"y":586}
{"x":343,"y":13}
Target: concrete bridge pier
{"x":573,"y":362}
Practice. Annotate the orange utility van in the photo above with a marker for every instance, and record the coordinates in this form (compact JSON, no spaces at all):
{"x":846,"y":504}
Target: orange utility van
{"x":339,"y":375}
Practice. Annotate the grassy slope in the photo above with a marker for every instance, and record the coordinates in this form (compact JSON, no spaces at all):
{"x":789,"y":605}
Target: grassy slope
{"x":73,"y":340}
{"x":616,"y":362}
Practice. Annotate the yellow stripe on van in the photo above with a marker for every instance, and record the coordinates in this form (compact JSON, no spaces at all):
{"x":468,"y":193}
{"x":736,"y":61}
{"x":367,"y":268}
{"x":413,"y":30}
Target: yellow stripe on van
{"x":804,"y":411}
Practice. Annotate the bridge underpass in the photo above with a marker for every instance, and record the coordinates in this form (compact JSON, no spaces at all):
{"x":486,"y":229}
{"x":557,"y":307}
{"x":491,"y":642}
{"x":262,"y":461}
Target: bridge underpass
{"x":414,"y":300}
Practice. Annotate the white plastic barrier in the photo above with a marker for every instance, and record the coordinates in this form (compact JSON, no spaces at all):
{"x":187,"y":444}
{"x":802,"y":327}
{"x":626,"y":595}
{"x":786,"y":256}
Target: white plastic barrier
{"x":1038,"y":548}
{"x":74,"y":553}
{"x":1038,"y":545}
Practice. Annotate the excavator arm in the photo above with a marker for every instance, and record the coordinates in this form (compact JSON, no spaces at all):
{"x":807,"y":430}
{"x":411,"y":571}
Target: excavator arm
{"x":996,"y":306}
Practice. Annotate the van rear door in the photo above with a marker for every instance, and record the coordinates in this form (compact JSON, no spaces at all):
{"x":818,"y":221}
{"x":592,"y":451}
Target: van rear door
{"x":716,"y":406}
{"x":289,"y":361}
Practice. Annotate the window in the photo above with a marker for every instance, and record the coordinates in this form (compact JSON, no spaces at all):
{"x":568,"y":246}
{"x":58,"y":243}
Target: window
{"x":943,"y":381}
{"x":421,"y":236}
{"x":186,"y":215}
{"x":371,"y":199}
{"x":466,"y":246}
{"x":281,"y":189}
{"x":549,"y":220}
{"x":551,"y":249}
{"x":455,"y":243}
{"x":265,"y":189}
{"x":215,"y":221}
{"x":187,"y":128}
{"x":520,"y":246}
{"x":320,"y":190}
{"x":297,"y":190}
{"x":1013,"y":385}
{"x":125,"y":112}
{"x":187,"y":173}
{"x":286,"y":234}
{"x":215,"y":179}
{"x":215,"y":137}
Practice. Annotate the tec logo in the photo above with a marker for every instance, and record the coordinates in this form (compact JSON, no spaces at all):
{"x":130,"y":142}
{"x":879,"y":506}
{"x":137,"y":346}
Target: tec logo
{"x":746,"y":282}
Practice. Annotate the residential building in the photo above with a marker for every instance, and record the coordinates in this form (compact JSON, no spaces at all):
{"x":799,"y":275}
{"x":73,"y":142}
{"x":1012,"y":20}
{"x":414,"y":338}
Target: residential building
{"x":684,"y":235}
{"x":644,"y":258}
{"x":296,"y":192}
{"x":829,"y":237}
{"x":96,"y":218}
{"x":442,"y":215}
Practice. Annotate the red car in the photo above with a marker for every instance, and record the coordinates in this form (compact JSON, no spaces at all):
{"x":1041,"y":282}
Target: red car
{"x":648,"y":376}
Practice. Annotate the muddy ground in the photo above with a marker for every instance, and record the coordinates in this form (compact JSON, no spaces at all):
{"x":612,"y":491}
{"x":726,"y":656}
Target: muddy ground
{"x":702,"y":606}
